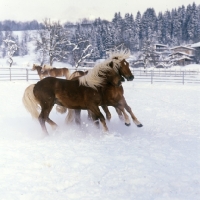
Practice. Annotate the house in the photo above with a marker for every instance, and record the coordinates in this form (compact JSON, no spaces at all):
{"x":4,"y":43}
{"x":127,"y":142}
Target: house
{"x":162,"y":50}
{"x":181,"y":59}
{"x":187,"y":50}
{"x":196,"y":46}
{"x":182,"y":55}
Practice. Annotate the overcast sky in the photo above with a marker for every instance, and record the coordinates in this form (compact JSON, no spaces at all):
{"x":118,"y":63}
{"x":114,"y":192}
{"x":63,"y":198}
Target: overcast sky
{"x":74,"y":10}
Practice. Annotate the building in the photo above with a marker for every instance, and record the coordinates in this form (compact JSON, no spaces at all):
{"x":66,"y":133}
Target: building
{"x":182,"y":55}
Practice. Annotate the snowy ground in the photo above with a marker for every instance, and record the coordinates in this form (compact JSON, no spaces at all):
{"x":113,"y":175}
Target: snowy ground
{"x":160,"y":161}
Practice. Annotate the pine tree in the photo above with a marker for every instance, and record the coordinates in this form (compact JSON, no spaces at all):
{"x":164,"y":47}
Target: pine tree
{"x":138,"y":30}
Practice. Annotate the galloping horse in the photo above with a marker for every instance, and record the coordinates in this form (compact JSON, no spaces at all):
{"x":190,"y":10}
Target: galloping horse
{"x":113,"y":96}
{"x":83,"y":93}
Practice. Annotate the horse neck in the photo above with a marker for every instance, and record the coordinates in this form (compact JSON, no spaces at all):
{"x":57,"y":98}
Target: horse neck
{"x":39,"y":69}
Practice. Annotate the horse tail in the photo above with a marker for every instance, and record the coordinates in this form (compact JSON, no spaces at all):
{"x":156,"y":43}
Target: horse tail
{"x":70,"y":116}
{"x":61,"y":109}
{"x":30,"y":102}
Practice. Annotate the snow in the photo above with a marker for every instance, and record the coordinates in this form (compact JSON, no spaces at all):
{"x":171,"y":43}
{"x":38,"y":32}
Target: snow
{"x":159,"y":161}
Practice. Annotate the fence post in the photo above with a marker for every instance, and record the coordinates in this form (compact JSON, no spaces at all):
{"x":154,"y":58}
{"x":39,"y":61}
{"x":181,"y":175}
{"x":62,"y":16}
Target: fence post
{"x":183,"y":77}
{"x":10,"y":74}
{"x":151,"y":76}
{"x":26,"y":74}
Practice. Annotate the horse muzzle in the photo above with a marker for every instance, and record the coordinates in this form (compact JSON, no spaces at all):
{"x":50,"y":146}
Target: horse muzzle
{"x":130,"y":78}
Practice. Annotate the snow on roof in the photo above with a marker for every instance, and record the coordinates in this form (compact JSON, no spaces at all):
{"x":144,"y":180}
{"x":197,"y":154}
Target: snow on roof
{"x":196,"y":45}
{"x":178,"y":52}
{"x":181,"y":58}
{"x":183,"y":47}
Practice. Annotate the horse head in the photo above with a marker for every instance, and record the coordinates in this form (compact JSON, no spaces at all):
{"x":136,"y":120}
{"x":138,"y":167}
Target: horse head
{"x":124,"y":69}
{"x":35,"y":67}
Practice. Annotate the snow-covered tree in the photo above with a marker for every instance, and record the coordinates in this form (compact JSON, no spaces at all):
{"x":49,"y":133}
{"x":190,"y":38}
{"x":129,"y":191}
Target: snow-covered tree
{"x":148,"y":54}
{"x":11,"y":48}
{"x":193,"y":24}
{"x":23,"y":44}
{"x":51,"y":42}
{"x":79,"y":48}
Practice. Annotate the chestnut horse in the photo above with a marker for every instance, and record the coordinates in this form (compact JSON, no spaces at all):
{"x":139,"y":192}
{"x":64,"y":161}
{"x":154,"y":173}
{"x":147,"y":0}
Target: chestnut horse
{"x":49,"y":71}
{"x":56,"y":72}
{"x":114,"y":96}
{"x":83,"y":93}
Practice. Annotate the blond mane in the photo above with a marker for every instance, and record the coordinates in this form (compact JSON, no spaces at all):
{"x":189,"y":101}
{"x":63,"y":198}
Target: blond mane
{"x":122,"y":54}
{"x":116,"y":57}
{"x":92,"y":78}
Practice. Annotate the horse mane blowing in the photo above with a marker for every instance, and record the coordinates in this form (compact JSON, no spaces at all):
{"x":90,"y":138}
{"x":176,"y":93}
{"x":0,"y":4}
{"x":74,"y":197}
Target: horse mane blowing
{"x":95,"y":77}
{"x":118,"y":56}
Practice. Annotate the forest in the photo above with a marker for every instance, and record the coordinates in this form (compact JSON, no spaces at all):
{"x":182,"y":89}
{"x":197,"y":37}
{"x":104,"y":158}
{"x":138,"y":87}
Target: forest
{"x":180,"y":26}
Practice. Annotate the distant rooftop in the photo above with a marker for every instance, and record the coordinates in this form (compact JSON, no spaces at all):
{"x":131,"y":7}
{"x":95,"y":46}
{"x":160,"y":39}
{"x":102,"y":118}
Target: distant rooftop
{"x":182,"y":47}
{"x":196,"y":45}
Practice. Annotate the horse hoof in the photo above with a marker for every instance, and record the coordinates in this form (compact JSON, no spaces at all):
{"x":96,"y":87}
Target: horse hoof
{"x":139,"y":125}
{"x":127,"y":124}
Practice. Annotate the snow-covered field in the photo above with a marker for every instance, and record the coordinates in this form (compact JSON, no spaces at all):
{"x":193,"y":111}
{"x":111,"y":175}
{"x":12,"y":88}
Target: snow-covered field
{"x":160,"y":161}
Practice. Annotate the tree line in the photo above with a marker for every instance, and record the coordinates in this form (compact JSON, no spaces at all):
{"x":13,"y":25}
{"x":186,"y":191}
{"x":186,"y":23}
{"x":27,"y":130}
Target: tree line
{"x":176,"y":27}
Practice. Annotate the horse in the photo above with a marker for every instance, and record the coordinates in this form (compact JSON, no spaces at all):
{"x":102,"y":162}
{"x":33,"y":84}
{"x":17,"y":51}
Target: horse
{"x":84,"y":92}
{"x":40,"y":72}
{"x":113,"y":96}
{"x":56,"y":72}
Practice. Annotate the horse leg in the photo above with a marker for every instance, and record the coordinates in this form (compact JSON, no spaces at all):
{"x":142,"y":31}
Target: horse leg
{"x":108,"y":114}
{"x":126,"y":117}
{"x":119,"y":112}
{"x":98,"y":115}
{"x":135,"y":120}
{"x":70,"y":116}
{"x":94,"y":118}
{"x":90,"y":117}
{"x":52,"y":123}
{"x":44,"y":116}
{"x":78,"y":116}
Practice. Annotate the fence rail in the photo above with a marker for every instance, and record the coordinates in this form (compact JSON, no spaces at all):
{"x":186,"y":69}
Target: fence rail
{"x":162,"y":75}
{"x":152,"y":76}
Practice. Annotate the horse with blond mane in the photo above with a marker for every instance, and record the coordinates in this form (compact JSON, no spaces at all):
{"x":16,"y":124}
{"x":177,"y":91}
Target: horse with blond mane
{"x":112,"y":96}
{"x":82,"y":93}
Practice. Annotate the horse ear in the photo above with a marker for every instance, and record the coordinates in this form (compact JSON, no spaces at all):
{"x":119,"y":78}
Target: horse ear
{"x":111,"y":64}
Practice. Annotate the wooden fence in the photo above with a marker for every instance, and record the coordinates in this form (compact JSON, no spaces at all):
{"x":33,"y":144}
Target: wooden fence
{"x":151,"y":76}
